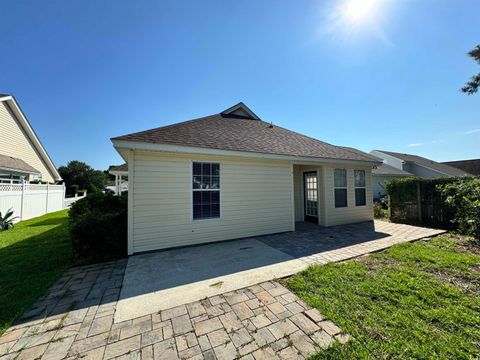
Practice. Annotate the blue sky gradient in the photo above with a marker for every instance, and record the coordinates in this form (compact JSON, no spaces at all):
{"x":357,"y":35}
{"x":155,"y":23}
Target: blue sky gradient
{"x":86,"y":71}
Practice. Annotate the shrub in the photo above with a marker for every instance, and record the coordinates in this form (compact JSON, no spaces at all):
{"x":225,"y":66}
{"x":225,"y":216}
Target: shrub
{"x":379,"y":212}
{"x":6,"y":221}
{"x":463,"y":196}
{"x":98,"y":226}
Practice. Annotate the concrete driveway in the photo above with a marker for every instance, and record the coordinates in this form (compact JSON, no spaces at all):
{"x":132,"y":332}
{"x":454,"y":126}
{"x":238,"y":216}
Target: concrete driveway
{"x":164,"y":279}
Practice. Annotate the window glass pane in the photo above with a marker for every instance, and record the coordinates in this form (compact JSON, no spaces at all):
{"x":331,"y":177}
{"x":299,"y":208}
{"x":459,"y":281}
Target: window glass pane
{"x":197,"y":197}
{"x":206,"y":169}
{"x":206,"y":197}
{"x":359,"y":178}
{"x":340,"y":197}
{"x":215,"y":197}
{"x":206,"y":182}
{"x":197,"y":168}
{"x":215,"y":210}
{"x":197,"y":181}
{"x":197,"y":211}
{"x":206,"y":210}
{"x":215,"y":182}
{"x":216,"y":169}
{"x":360,"y":198}
{"x":340,"y":178}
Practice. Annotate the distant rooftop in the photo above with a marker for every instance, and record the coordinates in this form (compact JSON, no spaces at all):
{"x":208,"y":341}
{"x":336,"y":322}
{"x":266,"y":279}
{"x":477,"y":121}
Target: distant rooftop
{"x":471,"y":166}
{"x":121,"y":168}
{"x":388,"y":170}
{"x":434,"y":165}
{"x":13,"y":164}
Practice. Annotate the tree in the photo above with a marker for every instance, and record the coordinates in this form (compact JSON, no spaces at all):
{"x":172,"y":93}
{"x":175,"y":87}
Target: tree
{"x":472,"y":86}
{"x":78,"y":174}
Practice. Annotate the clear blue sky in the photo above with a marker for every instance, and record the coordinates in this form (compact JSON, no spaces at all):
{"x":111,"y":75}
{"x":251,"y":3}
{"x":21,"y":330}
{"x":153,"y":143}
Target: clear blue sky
{"x":381,"y":76}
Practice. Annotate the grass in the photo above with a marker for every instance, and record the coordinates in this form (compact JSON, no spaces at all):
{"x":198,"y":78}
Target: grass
{"x":413,"y":301}
{"x":32,"y":256}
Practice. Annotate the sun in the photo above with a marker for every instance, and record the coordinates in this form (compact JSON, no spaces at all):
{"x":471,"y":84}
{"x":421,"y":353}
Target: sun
{"x":359,"y":11}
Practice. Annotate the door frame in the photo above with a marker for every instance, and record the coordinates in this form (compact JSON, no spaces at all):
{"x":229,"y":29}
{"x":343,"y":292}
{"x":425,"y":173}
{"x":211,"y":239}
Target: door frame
{"x":308,"y":218}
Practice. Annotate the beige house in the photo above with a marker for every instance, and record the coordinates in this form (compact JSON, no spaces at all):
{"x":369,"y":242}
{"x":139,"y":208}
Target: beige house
{"x":232,"y":175}
{"x":22,"y":155}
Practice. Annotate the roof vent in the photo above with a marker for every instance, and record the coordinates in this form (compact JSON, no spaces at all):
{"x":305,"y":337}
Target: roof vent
{"x":240,"y":111}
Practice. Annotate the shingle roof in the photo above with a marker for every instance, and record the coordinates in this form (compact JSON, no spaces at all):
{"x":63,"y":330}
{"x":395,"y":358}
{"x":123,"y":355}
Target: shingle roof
{"x":227,"y":132}
{"x":123,"y":167}
{"x":470,"y":166}
{"x":386,"y":169}
{"x":442,"y":168}
{"x":11,"y":163}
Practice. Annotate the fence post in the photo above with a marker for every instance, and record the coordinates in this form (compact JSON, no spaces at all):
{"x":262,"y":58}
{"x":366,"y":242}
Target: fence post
{"x":46,"y":201}
{"x":22,"y":201}
{"x":419,"y":202}
{"x":63,"y":196}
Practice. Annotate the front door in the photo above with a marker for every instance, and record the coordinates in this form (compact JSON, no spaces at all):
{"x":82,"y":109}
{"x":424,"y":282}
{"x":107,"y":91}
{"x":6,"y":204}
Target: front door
{"x":310,"y":185}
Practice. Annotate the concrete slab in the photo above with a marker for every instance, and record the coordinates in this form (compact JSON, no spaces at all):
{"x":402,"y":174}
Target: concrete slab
{"x":164,"y":279}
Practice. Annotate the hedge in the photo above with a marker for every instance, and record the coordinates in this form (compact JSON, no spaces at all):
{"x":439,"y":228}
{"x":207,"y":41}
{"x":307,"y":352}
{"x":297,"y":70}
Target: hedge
{"x":98,"y":226}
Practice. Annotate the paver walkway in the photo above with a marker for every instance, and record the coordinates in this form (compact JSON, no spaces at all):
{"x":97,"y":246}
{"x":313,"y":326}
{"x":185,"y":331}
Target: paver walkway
{"x":74,"y":319}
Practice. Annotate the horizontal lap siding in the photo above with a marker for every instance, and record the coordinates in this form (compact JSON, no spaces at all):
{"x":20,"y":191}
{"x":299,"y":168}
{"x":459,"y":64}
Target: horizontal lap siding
{"x":256,"y":199}
{"x":351,"y":213}
{"x":14,"y":142}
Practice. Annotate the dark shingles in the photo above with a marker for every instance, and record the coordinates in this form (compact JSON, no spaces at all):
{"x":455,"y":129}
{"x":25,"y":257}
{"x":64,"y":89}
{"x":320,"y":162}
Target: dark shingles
{"x":469,"y":166}
{"x":123,"y":167}
{"x":231,"y":133}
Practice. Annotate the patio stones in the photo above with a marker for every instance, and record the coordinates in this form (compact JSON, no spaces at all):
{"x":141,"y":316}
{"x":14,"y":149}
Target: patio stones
{"x":75,"y":318}
{"x":249,"y":323}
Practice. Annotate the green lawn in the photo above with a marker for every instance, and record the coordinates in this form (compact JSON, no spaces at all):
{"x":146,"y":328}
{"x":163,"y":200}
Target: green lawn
{"x":413,"y":301}
{"x":32,"y":256}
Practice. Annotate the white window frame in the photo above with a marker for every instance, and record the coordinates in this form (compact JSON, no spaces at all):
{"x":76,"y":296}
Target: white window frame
{"x":364,"y":187}
{"x":340,"y":187}
{"x":191,"y":189}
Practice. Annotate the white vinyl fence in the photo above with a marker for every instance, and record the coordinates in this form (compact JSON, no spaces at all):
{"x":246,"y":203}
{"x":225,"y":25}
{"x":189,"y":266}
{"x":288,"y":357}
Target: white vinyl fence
{"x":31,"y":200}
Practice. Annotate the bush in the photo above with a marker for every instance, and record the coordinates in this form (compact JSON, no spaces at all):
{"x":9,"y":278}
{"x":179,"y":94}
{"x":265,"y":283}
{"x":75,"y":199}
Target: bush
{"x":463,"y":197}
{"x":379,"y":212}
{"x":98,"y":226}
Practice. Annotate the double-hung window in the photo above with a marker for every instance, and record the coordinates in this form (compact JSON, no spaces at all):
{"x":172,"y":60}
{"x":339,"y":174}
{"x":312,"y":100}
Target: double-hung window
{"x":360,"y":193}
{"x":340,"y":187}
{"x":206,"y":190}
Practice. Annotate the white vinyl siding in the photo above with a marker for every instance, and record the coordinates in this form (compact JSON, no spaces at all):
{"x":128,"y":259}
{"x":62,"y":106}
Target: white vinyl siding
{"x":256,"y":199}
{"x":351,"y":213}
{"x":14,"y":142}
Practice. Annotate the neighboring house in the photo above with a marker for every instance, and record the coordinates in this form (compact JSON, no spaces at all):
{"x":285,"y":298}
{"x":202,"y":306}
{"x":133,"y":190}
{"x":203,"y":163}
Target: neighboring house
{"x":22,"y":156}
{"x":120,"y":185}
{"x":469,"y":166}
{"x":381,"y":174}
{"x":417,"y":165}
{"x":22,"y":160}
{"x":232,"y":175}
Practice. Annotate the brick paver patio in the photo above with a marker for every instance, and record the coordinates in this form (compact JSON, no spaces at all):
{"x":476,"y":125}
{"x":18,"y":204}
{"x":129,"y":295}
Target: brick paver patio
{"x":74,"y":319}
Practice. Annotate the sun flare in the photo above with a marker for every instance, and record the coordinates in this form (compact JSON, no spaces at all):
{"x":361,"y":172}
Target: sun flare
{"x":359,"y":11}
